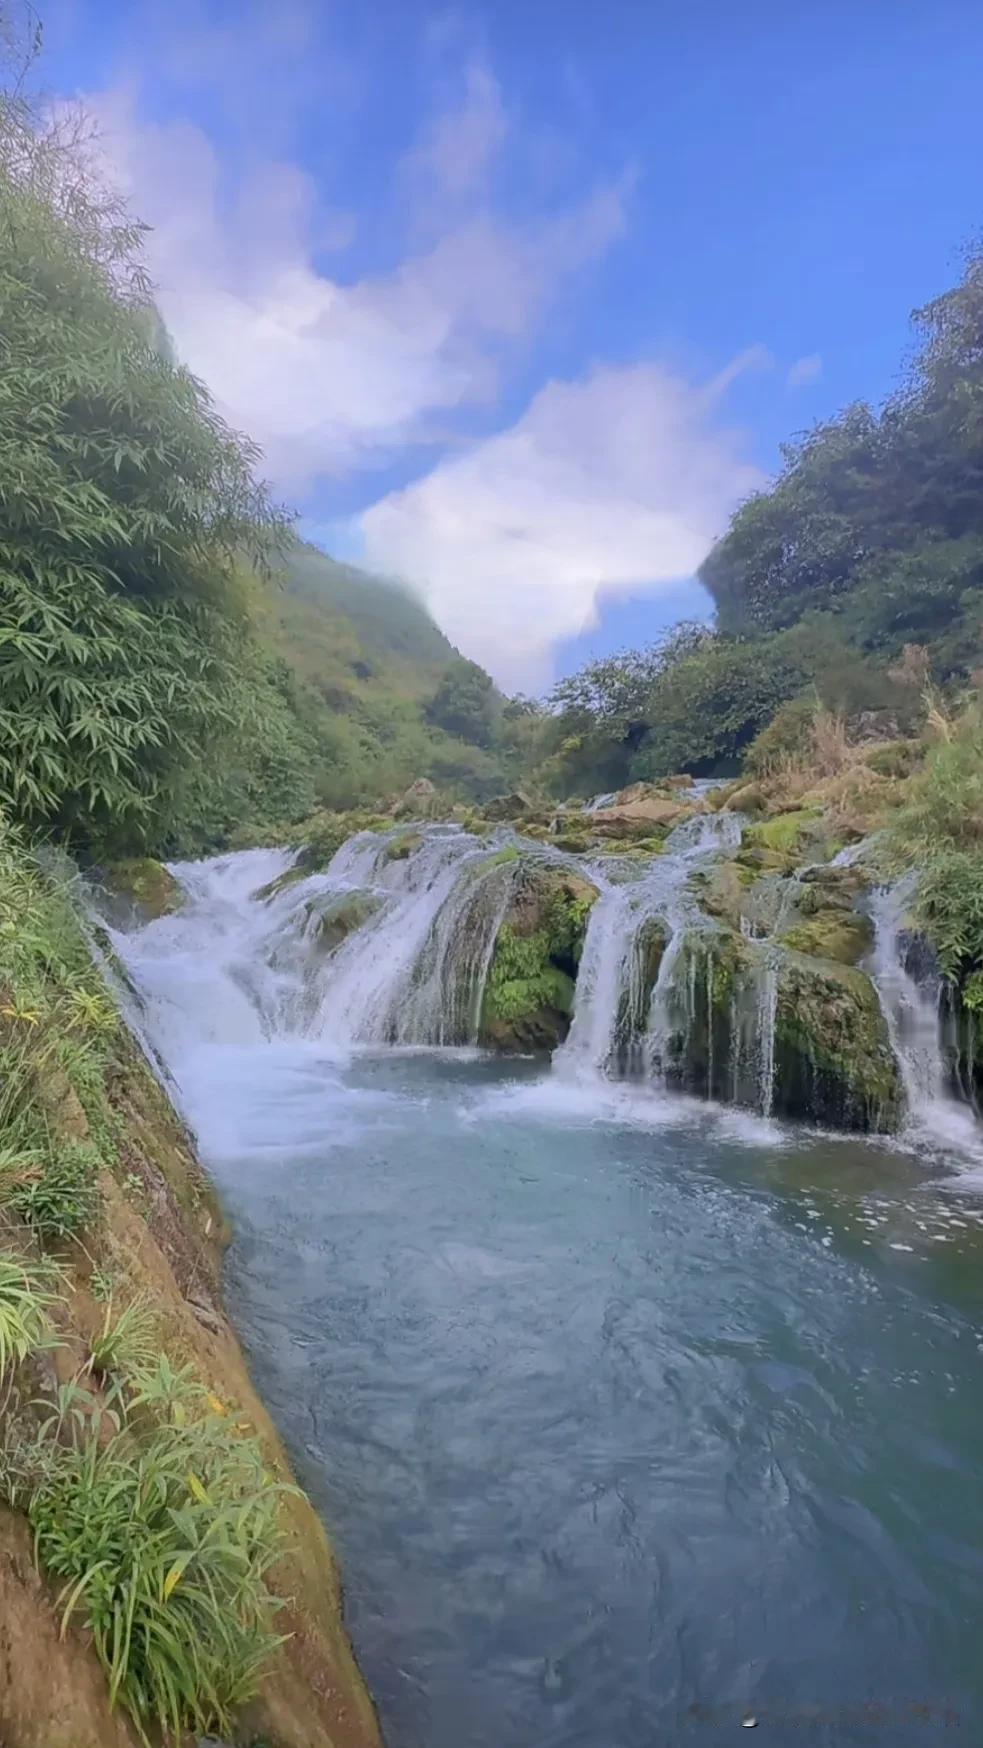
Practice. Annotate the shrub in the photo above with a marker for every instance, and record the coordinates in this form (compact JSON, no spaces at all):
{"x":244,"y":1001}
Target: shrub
{"x":163,"y":1534}
{"x":784,"y":741}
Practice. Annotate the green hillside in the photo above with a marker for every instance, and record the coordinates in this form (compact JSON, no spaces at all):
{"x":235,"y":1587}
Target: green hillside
{"x":345,"y":630}
{"x":364,"y":693}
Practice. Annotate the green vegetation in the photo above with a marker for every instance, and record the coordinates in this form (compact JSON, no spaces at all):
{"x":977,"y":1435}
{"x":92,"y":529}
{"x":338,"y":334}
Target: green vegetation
{"x":26,"y":1299}
{"x":528,"y":996}
{"x":153,"y":1513}
{"x":161,"y":1534}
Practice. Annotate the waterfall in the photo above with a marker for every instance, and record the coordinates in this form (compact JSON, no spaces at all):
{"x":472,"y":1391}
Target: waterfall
{"x":911,"y":1010}
{"x":240,"y":962}
{"x":619,"y":1023}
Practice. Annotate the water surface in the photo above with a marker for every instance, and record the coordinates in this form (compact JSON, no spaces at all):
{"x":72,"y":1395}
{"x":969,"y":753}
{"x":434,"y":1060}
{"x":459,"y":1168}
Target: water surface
{"x":632,"y":1418}
{"x":627,"y":1423}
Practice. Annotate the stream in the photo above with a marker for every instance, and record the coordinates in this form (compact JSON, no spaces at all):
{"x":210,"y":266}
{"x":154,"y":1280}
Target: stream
{"x":634,"y":1418}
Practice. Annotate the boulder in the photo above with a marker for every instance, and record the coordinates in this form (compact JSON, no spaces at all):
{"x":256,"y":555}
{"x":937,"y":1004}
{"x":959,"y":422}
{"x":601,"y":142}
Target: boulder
{"x":340,"y":916}
{"x":419,"y":802}
{"x":529,"y":990}
{"x":511,"y":806}
{"x":833,"y":932}
{"x":144,"y":884}
{"x":635,"y":819}
{"x":833,"y":1060}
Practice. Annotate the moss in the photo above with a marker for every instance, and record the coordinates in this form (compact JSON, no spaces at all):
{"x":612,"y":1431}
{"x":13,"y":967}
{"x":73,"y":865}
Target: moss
{"x":341,"y":917}
{"x":573,"y":843}
{"x":786,"y":833}
{"x":403,"y":847}
{"x":501,"y":858}
{"x":529,"y":990}
{"x":833,"y":1059}
{"x":145,"y":883}
{"x":832,"y":933}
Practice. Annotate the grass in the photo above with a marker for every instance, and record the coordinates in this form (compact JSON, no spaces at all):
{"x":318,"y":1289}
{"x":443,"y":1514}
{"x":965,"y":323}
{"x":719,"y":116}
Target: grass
{"x":26,"y":1298}
{"x":126,"y":1343}
{"x":162,"y":1536}
{"x":152,"y":1513}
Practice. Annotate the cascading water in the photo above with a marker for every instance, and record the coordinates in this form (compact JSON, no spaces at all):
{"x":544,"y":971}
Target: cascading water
{"x":613,"y":1025}
{"x":911,"y":1008}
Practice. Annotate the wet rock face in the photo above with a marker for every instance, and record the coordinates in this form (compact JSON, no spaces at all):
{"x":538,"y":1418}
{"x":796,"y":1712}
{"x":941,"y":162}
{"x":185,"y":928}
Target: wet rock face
{"x":142,"y":885}
{"x":528,"y":997}
{"x":833,"y":1060}
{"x":751,"y":1023}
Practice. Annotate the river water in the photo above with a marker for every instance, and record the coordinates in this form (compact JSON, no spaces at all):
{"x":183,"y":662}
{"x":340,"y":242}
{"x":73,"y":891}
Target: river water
{"x":632,"y":1419}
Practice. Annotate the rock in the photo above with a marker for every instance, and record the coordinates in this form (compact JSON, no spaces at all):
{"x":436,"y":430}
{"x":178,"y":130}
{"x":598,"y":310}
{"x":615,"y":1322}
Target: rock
{"x":145,"y":884}
{"x":419,"y":802}
{"x":833,"y":932}
{"x":511,"y":806}
{"x":529,"y":991}
{"x":341,"y":916}
{"x":635,"y":819}
{"x":833,"y":1060}
{"x":833,"y":1063}
{"x":720,"y":890}
{"x":746,"y":798}
{"x":800,"y":833}
{"x":403,"y":847}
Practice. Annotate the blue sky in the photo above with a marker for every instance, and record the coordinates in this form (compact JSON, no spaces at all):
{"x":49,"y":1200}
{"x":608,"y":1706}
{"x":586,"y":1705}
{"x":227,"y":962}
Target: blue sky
{"x":521,"y":298}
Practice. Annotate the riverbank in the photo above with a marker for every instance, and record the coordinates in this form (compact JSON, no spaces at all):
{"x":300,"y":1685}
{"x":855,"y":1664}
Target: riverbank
{"x":115,"y":1226}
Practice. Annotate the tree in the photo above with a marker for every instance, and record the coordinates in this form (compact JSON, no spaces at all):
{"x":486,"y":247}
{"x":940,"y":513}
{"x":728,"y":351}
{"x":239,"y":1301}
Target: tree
{"x":126,"y":510}
{"x":465,"y":703}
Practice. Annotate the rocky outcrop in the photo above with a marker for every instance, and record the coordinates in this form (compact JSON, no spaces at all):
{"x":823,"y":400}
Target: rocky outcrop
{"x":505,"y":807}
{"x":142,"y":886}
{"x":528,"y":998}
{"x":338,"y":917}
{"x":833,"y":1060}
{"x":828,"y":1060}
{"x":639,"y":817}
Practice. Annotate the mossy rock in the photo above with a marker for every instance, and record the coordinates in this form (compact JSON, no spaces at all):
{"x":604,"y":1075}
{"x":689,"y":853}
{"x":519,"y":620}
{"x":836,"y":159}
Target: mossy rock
{"x":403,"y":847}
{"x":833,"y":932}
{"x":833,"y":1059}
{"x":282,"y":883}
{"x":529,"y":990}
{"x":798,"y":833}
{"x":502,"y":858}
{"x":147,"y":885}
{"x":721,"y":888}
{"x":573,"y":843}
{"x":340,"y":917}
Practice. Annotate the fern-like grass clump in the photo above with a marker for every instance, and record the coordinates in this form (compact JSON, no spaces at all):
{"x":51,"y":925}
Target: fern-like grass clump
{"x":162,"y":1535}
{"x":27,"y":1296}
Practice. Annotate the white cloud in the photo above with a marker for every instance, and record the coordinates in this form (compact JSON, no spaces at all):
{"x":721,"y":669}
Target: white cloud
{"x":330,"y":375}
{"x":804,"y":371}
{"x":617,"y":483}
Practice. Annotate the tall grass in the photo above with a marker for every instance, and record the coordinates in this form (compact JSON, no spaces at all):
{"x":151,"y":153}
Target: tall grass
{"x":163,"y":1535}
{"x":27,"y":1295}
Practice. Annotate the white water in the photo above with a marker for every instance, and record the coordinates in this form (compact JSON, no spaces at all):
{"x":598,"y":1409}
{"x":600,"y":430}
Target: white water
{"x":608,"y":1014}
{"x":936,"y":1121}
{"x":234,"y":969}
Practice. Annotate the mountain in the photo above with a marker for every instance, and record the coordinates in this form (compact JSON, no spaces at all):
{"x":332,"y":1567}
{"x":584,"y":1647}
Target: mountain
{"x":358,"y":662}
